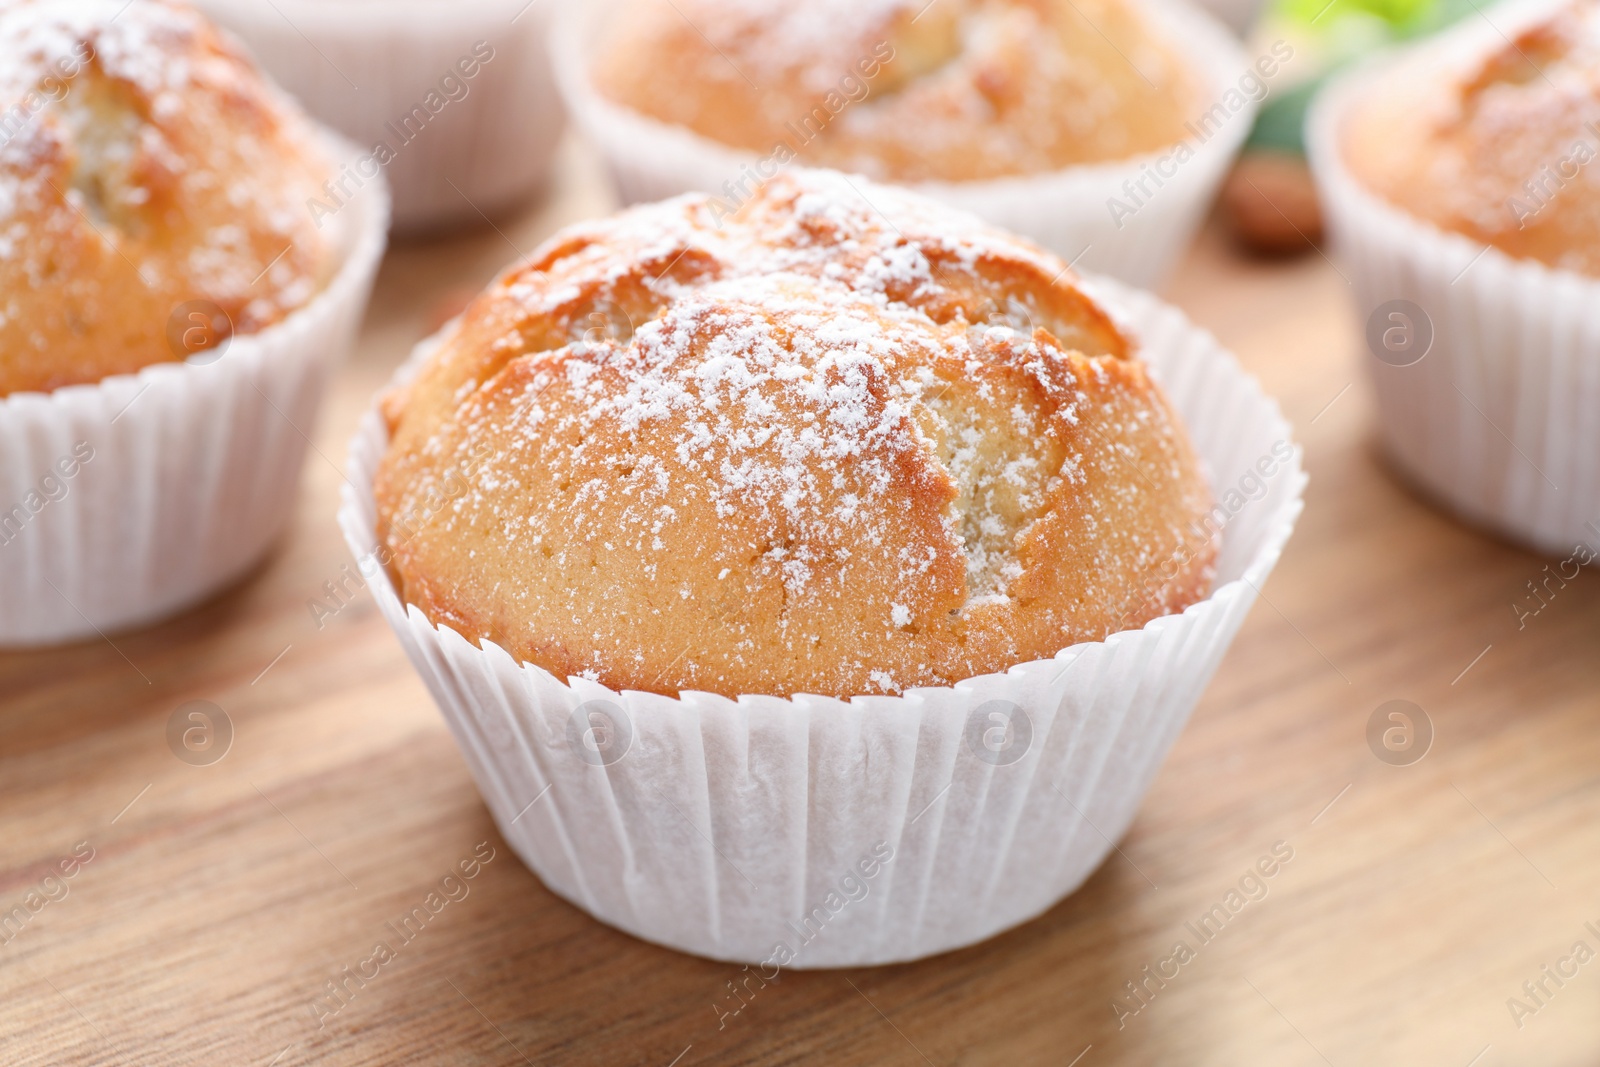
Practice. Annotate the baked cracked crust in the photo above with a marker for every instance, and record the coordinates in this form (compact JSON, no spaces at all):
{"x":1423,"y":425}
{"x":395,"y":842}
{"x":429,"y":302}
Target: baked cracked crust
{"x":145,"y":166}
{"x":848,"y":442}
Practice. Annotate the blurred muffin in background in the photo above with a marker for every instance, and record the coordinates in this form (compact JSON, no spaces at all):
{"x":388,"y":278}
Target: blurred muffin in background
{"x":455,"y":102}
{"x":147,"y":165}
{"x":176,"y":282}
{"x":1497,"y":147}
{"x":955,"y":91}
{"x":1099,"y":128}
{"x":1461,"y":181}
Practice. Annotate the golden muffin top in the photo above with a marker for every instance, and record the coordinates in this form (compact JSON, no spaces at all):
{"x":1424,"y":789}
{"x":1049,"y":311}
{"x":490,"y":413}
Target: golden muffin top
{"x":903,"y":89}
{"x":849,"y":441}
{"x":146,"y":169}
{"x":1499,"y":142}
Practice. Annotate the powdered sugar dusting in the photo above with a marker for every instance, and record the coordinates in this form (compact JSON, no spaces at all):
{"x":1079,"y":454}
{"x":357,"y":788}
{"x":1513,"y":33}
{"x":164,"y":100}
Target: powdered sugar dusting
{"x":818,"y":41}
{"x":790,"y":381}
{"x":844,"y":403}
{"x":144,"y":163}
{"x":133,"y":42}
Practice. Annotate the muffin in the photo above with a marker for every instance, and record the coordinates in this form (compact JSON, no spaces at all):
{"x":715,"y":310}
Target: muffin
{"x":810,"y":450}
{"x":180,"y":269}
{"x":668,"y":481}
{"x":1459,"y":181}
{"x":454,"y":102}
{"x":1496,"y":146}
{"x":1099,"y":129}
{"x":957,"y":91}
{"x":138,"y":186}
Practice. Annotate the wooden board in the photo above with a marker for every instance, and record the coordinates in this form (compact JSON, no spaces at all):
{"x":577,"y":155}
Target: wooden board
{"x":221,"y":899}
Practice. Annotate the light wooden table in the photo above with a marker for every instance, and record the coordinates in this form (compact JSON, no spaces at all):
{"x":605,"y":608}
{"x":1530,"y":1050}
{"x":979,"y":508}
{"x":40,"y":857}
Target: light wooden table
{"x":220,"y":899}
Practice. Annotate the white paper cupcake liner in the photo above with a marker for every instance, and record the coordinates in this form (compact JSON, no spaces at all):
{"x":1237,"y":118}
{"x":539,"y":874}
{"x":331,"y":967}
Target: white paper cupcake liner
{"x":362,"y":67}
{"x":1068,"y":211}
{"x":1500,"y":420}
{"x":192,"y":468}
{"x":716,"y":826}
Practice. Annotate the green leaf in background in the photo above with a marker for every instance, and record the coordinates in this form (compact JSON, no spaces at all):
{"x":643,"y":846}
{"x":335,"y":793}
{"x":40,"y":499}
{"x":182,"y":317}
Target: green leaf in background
{"x":1282,"y":118}
{"x":1347,"y":30}
{"x":1401,"y":19}
{"x":1394,"y":12}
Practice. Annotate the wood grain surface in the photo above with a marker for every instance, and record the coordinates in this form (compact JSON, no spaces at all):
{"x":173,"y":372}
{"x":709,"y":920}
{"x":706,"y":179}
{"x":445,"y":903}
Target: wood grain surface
{"x":221,"y":899}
